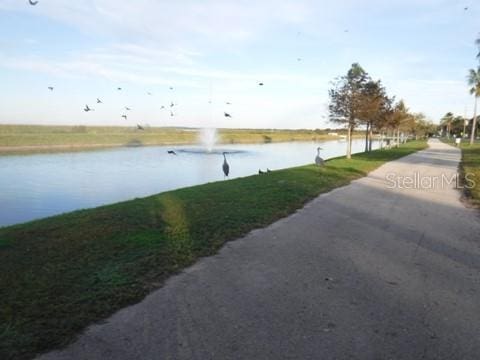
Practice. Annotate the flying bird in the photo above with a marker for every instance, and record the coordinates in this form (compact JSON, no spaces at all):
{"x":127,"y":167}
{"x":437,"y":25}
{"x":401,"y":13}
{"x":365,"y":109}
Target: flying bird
{"x":99,"y":101}
{"x":227,"y":114}
{"x":228,"y":103}
{"x":299,"y":59}
{"x":465,"y":8}
{"x":50,"y":88}
{"x":140,"y":127}
{"x":119,"y":88}
{"x":171,"y":152}
{"x":260,"y":84}
{"x":149,"y":93}
{"x":124,"y":116}
{"x":33,"y":2}
{"x":346,"y":30}
{"x":87,"y":108}
{"x":172,"y":104}
{"x":225,"y":166}
{"x":171,"y":113}
{"x":127,"y":108}
{"x":318,"y":160}
{"x":171,"y":87}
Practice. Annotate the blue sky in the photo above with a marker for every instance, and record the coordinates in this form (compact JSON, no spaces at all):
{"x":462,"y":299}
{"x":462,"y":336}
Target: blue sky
{"x":218,"y":50}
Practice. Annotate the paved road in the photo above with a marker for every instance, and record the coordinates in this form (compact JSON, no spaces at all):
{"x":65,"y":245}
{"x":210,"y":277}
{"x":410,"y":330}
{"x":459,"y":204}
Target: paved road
{"x":363,"y":272}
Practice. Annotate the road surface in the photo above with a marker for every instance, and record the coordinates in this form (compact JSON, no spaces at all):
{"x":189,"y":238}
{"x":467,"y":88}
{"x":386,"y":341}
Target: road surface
{"x":373,"y":270}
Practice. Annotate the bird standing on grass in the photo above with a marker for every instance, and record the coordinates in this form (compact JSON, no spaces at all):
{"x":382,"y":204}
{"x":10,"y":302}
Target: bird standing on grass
{"x":318,"y":160}
{"x":225,"y":166}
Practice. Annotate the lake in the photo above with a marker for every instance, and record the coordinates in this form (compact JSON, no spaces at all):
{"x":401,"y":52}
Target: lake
{"x":41,"y":185}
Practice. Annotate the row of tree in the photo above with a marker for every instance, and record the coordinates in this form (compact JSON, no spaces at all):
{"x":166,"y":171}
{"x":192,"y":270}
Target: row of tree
{"x":356,"y":100}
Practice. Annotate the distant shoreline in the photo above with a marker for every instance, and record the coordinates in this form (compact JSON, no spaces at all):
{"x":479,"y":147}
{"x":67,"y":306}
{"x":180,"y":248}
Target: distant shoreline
{"x":32,"y":139}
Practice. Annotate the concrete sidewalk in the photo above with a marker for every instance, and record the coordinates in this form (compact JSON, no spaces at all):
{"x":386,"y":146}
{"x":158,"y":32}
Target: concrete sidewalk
{"x":366,"y":271}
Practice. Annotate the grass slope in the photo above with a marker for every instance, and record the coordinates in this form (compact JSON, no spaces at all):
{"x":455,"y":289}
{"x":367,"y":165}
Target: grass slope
{"x":59,"y":274}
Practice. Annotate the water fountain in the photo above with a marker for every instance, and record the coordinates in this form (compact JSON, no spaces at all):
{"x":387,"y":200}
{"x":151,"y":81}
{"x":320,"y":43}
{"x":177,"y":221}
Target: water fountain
{"x":208,"y":138}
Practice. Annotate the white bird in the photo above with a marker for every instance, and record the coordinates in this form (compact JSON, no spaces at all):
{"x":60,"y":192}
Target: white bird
{"x":318,"y":160}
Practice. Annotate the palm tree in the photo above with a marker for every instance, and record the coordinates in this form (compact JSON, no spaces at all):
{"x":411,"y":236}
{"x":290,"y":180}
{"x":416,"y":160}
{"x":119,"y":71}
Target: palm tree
{"x":473,"y":80}
{"x":477,"y":42}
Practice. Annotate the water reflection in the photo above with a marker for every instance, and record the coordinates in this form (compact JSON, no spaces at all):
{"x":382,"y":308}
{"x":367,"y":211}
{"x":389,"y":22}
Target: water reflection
{"x":41,"y":185}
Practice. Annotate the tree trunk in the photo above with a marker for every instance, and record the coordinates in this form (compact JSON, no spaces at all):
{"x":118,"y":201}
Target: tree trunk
{"x":398,"y":137}
{"x":474,"y":123}
{"x":349,"y":142}
{"x":370,"y":136}
{"x":366,"y":136}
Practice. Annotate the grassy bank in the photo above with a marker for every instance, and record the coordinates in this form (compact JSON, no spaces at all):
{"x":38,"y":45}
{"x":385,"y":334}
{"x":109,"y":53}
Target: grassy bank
{"x":59,"y":274}
{"x":470,"y":165}
{"x":36,"y":138}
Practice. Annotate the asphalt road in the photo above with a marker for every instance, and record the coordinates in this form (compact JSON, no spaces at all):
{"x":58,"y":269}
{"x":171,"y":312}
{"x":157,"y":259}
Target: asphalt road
{"x":366,"y":271}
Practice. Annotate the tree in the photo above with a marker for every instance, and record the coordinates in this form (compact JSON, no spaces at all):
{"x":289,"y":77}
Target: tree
{"x":399,"y":119}
{"x":473,"y":80}
{"x":346,"y":99}
{"x":446,"y":124}
{"x":373,"y":108}
{"x":477,"y":42}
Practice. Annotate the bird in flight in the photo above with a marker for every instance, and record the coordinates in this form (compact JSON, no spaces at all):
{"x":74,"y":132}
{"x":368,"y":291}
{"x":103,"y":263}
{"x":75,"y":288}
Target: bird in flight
{"x":260,"y":84}
{"x":171,"y":113}
{"x":465,"y":8}
{"x":140,"y":127}
{"x":162,"y":107}
{"x":227,"y":114}
{"x":99,"y":101}
{"x":171,"y":152}
{"x":33,"y":2}
{"x":149,"y":93}
{"x":127,"y":108}
{"x":50,"y":88}
{"x":171,"y":87}
{"x":87,"y":108}
{"x":228,"y":103}
{"x":172,"y":104}
{"x":119,"y":88}
{"x":124,"y":116}
{"x":299,"y":59}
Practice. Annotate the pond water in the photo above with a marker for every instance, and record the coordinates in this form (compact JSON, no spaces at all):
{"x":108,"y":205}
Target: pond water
{"x":41,"y":185}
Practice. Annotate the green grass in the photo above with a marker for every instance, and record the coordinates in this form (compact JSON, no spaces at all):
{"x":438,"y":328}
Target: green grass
{"x":470,"y":165}
{"x":37,"y":138}
{"x":60,"y":274}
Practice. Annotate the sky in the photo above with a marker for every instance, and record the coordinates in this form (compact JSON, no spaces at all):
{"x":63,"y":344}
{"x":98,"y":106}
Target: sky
{"x":216,"y":51}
